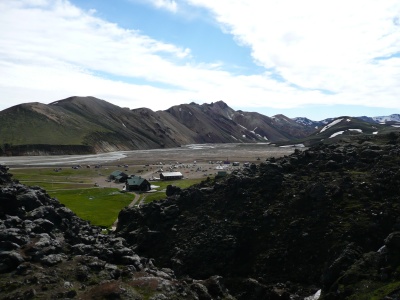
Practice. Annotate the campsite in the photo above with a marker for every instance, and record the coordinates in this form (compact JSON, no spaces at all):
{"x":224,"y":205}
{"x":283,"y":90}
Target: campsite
{"x":83,"y":183}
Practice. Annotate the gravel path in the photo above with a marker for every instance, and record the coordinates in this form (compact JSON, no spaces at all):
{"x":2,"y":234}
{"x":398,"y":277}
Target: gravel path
{"x":137,"y":196}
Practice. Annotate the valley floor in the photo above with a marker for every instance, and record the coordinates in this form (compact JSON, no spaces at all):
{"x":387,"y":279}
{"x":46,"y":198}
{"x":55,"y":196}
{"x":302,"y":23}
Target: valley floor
{"x":195,"y":158}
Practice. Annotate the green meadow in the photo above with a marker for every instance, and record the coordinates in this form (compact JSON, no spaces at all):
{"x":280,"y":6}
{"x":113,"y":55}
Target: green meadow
{"x":162,"y":185}
{"x":75,"y":189}
{"x":98,"y":205}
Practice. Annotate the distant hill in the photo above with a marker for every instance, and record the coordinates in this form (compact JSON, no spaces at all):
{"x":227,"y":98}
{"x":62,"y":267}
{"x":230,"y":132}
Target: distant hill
{"x":90,"y":125}
{"x":394,"y":118}
{"x":217,"y":122}
{"x":344,"y":128}
{"x":385,"y":119}
{"x":84,"y":122}
{"x":78,"y":125}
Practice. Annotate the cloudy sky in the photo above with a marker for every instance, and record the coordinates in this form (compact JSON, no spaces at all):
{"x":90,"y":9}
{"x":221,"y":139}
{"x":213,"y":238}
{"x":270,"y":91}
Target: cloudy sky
{"x":312,"y":58}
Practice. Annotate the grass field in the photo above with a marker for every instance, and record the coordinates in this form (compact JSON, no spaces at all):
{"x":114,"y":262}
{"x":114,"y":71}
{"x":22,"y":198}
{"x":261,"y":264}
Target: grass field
{"x":160,"y":194}
{"x":75,"y":189}
{"x":98,"y":205}
{"x":53,"y":179}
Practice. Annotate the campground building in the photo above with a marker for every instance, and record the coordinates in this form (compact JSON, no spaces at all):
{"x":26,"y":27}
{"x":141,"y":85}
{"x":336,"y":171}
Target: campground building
{"x":171,"y":175}
{"x":118,"y":176}
{"x":137,"y":183}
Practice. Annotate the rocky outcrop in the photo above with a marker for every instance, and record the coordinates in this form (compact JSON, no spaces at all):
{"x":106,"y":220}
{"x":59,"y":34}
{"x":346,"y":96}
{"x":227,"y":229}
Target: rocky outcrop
{"x":47,"y":252}
{"x":326,"y":217}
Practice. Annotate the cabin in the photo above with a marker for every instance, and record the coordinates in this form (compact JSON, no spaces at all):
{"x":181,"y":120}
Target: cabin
{"x":137,"y":183}
{"x":118,"y":176}
{"x":171,"y":175}
{"x":221,"y":174}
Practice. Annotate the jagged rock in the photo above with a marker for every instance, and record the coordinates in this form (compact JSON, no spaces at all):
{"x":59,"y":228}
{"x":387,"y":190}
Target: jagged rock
{"x":350,"y":254}
{"x":201,"y":291}
{"x":42,"y":225}
{"x":172,"y":190}
{"x":14,"y":235}
{"x":53,"y":259}
{"x":393,"y":241}
{"x":82,"y":273}
{"x":28,"y":200}
{"x":10,"y":260}
{"x":5,"y":177}
{"x":216,"y":287}
{"x":8,"y":246}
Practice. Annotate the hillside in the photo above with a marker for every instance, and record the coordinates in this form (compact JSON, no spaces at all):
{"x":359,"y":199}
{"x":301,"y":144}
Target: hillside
{"x":82,"y":125}
{"x":343,"y":128}
{"x":91,"y":125}
{"x":217,"y":122}
{"x":81,"y":122}
{"x":325,"y":218}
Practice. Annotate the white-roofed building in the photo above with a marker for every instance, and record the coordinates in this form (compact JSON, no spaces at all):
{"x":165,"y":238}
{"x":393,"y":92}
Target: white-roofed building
{"x":171,"y":175}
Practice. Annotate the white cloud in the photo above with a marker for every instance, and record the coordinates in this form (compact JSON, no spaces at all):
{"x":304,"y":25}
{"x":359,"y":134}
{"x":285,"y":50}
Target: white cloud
{"x":73,"y":52}
{"x":170,"y":5}
{"x":325,"y":45}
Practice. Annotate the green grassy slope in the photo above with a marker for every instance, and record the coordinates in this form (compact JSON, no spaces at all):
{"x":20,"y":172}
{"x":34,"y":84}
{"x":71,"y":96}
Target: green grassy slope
{"x":36,"y":123}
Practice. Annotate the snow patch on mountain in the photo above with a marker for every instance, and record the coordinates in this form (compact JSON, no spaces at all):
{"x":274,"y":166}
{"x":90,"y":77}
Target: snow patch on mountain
{"x":343,"y":131}
{"x":336,"y":134}
{"x":331,"y":124}
{"x":304,"y":121}
{"x":384,"y":119}
{"x":254,"y":131}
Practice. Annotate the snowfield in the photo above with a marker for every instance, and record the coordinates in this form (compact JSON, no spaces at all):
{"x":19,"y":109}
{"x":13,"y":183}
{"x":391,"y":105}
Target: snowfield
{"x":331,"y":124}
{"x":336,"y":134}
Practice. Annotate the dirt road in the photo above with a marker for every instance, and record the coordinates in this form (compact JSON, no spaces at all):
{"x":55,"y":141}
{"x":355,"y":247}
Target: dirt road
{"x":134,"y":201}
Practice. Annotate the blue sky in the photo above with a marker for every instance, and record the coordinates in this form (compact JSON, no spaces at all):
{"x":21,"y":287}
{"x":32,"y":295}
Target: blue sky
{"x":308,"y":58}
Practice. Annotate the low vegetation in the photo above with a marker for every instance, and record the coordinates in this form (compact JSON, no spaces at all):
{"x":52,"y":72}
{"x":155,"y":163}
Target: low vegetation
{"x":162,"y":185}
{"x":100,"y":206}
{"x":75,"y":189}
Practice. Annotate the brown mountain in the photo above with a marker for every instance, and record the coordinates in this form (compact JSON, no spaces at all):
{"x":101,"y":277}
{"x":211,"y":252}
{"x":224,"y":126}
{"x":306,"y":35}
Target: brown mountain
{"x":91,"y":125}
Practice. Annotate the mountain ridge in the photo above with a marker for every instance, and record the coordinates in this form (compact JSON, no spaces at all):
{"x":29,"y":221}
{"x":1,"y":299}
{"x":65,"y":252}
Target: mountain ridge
{"x":93,"y":125}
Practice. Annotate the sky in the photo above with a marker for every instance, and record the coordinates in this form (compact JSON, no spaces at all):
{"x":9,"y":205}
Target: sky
{"x":302,"y":58}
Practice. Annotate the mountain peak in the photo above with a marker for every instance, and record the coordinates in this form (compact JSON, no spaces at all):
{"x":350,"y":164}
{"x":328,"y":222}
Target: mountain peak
{"x":221,"y":104}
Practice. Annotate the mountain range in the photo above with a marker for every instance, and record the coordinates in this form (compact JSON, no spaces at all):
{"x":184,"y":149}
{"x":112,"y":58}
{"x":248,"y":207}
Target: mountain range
{"x":79,"y":125}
